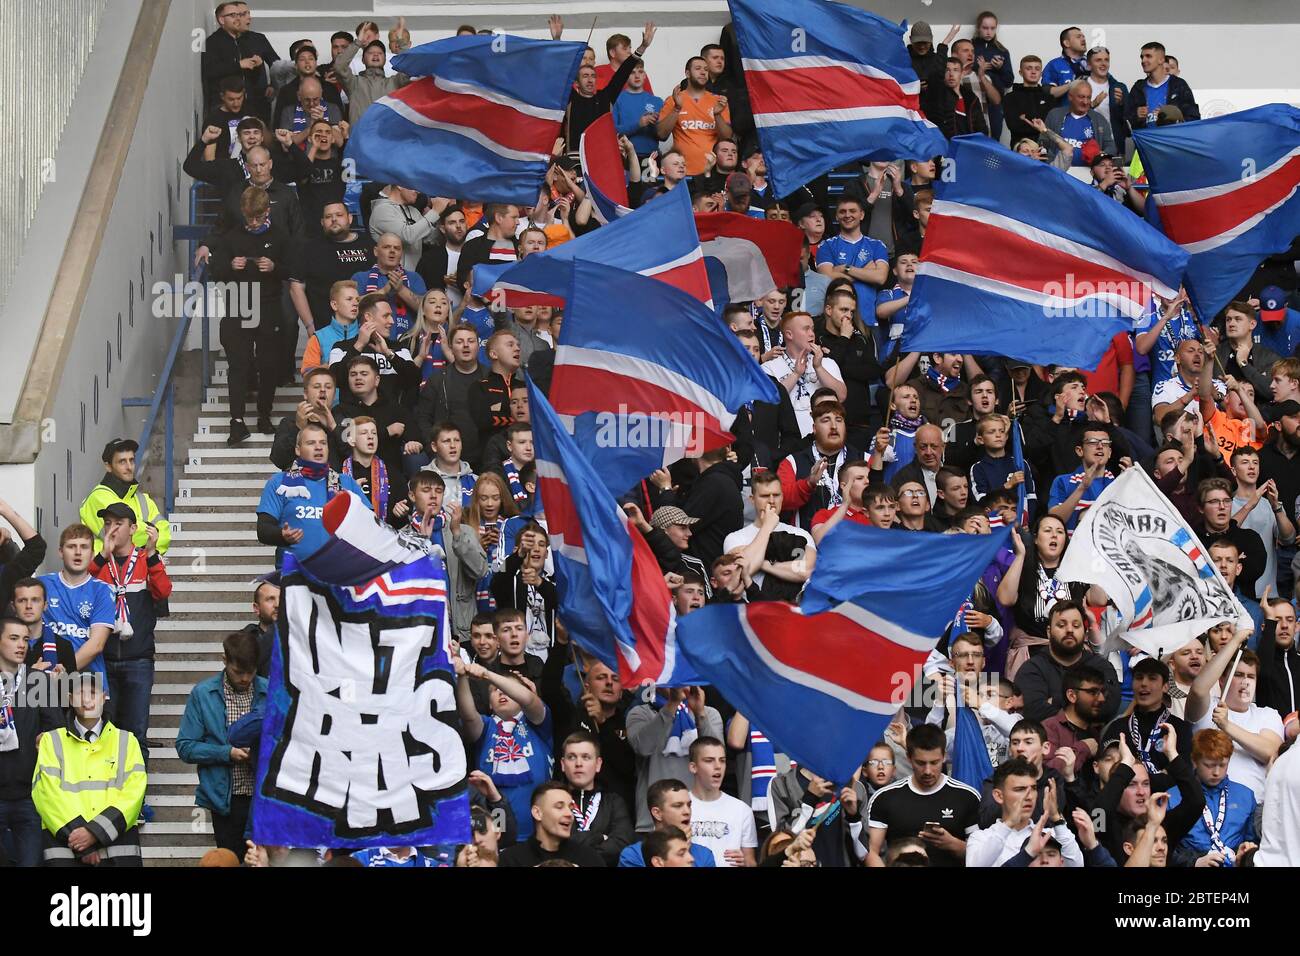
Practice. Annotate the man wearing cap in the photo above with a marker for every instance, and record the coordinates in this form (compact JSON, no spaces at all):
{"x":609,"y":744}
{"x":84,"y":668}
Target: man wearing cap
{"x":927,"y":59}
{"x":372,"y":82}
{"x":1279,"y":324}
{"x":119,"y":484}
{"x":1159,"y":89}
{"x":139,"y":582}
{"x":740,"y":195}
{"x":669,"y":534}
{"x":1109,"y":176}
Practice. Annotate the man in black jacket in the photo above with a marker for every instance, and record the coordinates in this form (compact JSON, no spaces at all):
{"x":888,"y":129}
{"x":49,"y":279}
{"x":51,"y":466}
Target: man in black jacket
{"x":27,"y":709}
{"x":18,"y":564}
{"x":208,"y":163}
{"x":1279,"y":660}
{"x":1027,"y":101}
{"x":1159,"y":88}
{"x":771,"y":429}
{"x":715,"y":499}
{"x":588,"y":103}
{"x":600,"y":817}
{"x":552,"y":839}
{"x":952,"y":106}
{"x":401,"y":438}
{"x":234,"y":49}
{"x":445,"y":397}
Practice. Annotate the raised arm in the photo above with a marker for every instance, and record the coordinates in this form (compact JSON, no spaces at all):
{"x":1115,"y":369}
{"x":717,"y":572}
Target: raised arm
{"x":1198,"y":698}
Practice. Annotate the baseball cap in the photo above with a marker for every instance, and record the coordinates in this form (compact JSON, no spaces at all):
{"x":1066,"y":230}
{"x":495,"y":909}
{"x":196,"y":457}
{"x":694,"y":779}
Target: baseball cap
{"x":1018,"y":363}
{"x":1289,"y":407}
{"x":921,"y":33}
{"x":117,"y":509}
{"x":300,"y":45}
{"x":118,"y":445}
{"x":1272,"y":304}
{"x":670,"y":515}
{"x":378,"y":43}
{"x":1100,"y":157}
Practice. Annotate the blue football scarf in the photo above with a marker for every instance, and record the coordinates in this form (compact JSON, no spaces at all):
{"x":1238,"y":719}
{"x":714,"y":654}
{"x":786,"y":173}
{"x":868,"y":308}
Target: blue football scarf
{"x":944,"y":383}
{"x":517,"y":489}
{"x":762,"y":759}
{"x":683,"y":731}
{"x":301,"y":472}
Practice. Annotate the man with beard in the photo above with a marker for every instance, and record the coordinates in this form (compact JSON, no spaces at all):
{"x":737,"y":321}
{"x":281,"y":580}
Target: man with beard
{"x":810,"y":478}
{"x":600,"y":817}
{"x":552,"y":837}
{"x":324,"y":260}
{"x":439,"y":261}
{"x":1184,"y":664}
{"x":1073,"y":732}
{"x":1279,"y":660}
{"x":600,"y":713}
{"x":1041,"y":679}
{"x":1144,"y":725}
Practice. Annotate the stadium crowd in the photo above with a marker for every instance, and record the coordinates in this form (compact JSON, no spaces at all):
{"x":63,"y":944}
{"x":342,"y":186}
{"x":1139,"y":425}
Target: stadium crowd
{"x":413,"y":397}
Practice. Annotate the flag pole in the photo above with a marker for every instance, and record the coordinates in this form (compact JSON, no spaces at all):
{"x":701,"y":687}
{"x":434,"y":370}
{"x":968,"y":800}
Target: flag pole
{"x":592,"y":31}
{"x":1231,"y":674}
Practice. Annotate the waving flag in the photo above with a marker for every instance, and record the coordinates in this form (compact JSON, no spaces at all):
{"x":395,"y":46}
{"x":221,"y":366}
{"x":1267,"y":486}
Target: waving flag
{"x":658,"y":240}
{"x":1142,"y":552}
{"x":1021,"y":260}
{"x":658,"y":379}
{"x":359,"y":745}
{"x":825,"y":680}
{"x":612,"y":595}
{"x":828,"y":84}
{"x":1022,"y":489}
{"x":602,"y":170}
{"x":1225,"y":189}
{"x":480,"y":123}
{"x":757,"y":255}
{"x":970,"y":754}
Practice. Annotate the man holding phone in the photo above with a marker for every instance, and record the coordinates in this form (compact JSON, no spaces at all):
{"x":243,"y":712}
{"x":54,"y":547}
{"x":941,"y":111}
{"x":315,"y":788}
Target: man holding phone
{"x":928,"y":804}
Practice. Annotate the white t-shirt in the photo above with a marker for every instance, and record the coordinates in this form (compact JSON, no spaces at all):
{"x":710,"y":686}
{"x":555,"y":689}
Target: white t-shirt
{"x":740,"y":539}
{"x":1172,"y":389}
{"x":1097,"y":89}
{"x":801,"y":394}
{"x":722,"y":824}
{"x":1244,"y":768}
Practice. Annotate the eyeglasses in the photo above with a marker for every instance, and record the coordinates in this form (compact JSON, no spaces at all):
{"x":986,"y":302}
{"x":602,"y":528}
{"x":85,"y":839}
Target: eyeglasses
{"x":1218,"y":501}
{"x":1090,"y":691}
{"x":1098,"y":442}
{"x":878,"y":764}
{"x":912,"y":494}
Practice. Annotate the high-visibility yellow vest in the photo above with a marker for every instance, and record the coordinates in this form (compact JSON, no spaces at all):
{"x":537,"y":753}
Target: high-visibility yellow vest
{"x":103,"y":782}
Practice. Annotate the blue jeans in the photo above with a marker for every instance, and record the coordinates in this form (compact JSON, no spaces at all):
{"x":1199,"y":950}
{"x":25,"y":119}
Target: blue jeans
{"x":131,"y":684}
{"x":20,"y":828}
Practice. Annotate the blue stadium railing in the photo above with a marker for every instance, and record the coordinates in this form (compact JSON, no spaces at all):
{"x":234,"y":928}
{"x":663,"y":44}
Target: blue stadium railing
{"x":203,"y":207}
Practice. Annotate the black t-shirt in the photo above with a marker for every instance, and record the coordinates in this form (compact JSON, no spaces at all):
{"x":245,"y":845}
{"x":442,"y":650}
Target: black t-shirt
{"x":530,"y":853}
{"x":904,"y":811}
{"x":320,"y":262}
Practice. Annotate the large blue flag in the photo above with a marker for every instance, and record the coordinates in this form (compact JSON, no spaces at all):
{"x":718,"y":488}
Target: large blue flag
{"x":612,"y":595}
{"x":658,"y":379}
{"x":1025,"y":261}
{"x":823,"y":681}
{"x":969,"y":752}
{"x":479,"y":124}
{"x":359,"y":745}
{"x":829,"y":84}
{"x":1225,"y":189}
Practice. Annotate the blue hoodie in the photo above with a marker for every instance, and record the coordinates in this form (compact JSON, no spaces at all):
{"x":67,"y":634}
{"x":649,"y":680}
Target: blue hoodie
{"x":1238,"y":825}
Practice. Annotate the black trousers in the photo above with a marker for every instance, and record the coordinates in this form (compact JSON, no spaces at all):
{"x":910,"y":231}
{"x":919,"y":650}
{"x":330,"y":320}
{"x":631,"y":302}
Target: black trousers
{"x":256,"y":358}
{"x":228,"y":828}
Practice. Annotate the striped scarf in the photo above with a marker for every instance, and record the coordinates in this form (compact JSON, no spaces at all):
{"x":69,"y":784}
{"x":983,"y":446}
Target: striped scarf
{"x":508,"y":751}
{"x":121,"y":579}
{"x":517,"y":489}
{"x":762,"y":758}
{"x":944,"y":383}
{"x":378,"y":484}
{"x":902,"y":423}
{"x":301,"y":472}
{"x":683,"y":732}
{"x":771,"y":337}
{"x":435,"y":525}
{"x":434,"y":360}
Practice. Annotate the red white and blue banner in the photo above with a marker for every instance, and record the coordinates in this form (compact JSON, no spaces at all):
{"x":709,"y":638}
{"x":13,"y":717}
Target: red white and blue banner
{"x":1225,"y":189}
{"x":658,"y":240}
{"x":1022,"y":260}
{"x":612,"y":595}
{"x":757,"y":255}
{"x":825,"y":679}
{"x":1149,"y":561}
{"x":603,"y":171}
{"x":829,"y":84}
{"x":359,"y":745}
{"x":479,"y":123}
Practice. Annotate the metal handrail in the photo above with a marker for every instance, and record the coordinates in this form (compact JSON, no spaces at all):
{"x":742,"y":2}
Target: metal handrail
{"x":164,"y":395}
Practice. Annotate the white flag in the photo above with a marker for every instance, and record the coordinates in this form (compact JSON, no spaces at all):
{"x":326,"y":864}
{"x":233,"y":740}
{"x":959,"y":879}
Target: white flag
{"x":1139,"y":549}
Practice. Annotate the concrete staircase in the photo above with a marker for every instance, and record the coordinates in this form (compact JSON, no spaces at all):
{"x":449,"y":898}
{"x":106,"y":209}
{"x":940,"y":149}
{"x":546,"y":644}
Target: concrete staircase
{"x":212,"y":561}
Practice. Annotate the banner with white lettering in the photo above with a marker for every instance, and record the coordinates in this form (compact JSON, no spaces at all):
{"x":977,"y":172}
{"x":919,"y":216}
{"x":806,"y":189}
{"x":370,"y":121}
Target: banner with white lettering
{"x":360,"y":743}
{"x":1157,"y":572}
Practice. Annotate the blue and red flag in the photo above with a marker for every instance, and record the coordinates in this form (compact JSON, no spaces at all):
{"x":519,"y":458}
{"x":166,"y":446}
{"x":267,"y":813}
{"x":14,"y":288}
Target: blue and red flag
{"x":658,"y":240}
{"x":602,"y":170}
{"x":479,"y":124}
{"x":1022,"y":260}
{"x":1018,"y":457}
{"x":756,"y":255}
{"x":829,"y":84}
{"x":612,"y":595}
{"x":824,"y":680}
{"x":654,"y":379}
{"x":1225,"y":189}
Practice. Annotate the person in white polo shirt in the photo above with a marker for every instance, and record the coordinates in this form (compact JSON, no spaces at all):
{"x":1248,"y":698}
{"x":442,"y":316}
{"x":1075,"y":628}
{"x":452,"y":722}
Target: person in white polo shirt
{"x":719,"y":821}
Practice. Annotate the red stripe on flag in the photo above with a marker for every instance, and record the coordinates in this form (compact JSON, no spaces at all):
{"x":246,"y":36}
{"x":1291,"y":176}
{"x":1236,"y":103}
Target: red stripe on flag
{"x":780,"y":242}
{"x":650,"y":611}
{"x":576,"y":389}
{"x":691,"y":278}
{"x":501,"y":124}
{"x":561,"y":514}
{"x":822,"y":88}
{"x":1003,"y":256}
{"x":1203,"y":219}
{"x":843,"y":653}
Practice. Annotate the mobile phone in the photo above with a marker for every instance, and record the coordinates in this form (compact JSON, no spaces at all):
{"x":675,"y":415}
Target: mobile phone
{"x":931,"y":825}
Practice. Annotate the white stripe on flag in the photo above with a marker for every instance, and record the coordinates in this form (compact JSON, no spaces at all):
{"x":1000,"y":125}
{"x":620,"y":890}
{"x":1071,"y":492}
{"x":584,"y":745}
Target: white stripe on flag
{"x":1209,"y":192}
{"x":693,"y":256}
{"x":1223,"y":238}
{"x":811,"y":61}
{"x":647,"y":371}
{"x":886,"y":629}
{"x":1051,"y":240}
{"x":404,"y":111}
{"x":1124,"y":305}
{"x":803,"y":117}
{"x":804,"y":679}
{"x":748,"y":275}
{"x":492,"y":96}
